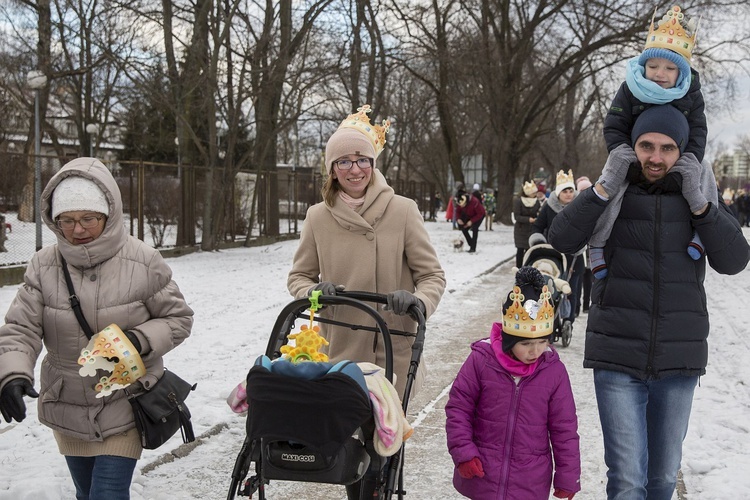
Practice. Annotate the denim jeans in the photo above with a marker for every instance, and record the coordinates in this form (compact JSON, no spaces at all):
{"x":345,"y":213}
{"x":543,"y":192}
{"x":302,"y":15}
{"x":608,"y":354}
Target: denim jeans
{"x":103,"y":477}
{"x":643,"y":423}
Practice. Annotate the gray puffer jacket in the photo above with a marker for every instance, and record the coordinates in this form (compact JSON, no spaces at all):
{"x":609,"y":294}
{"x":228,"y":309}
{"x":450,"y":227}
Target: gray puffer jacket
{"x":648,"y":317}
{"x":118,"y":279}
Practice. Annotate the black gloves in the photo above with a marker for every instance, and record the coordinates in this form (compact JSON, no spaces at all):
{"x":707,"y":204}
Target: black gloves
{"x":133,"y":340}
{"x":400,"y":301}
{"x":11,"y":399}
{"x":327,"y":288}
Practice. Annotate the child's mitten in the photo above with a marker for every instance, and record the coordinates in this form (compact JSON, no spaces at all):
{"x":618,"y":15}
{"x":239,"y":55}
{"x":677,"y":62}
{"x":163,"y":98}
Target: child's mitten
{"x":563,"y":494}
{"x":472,"y":468}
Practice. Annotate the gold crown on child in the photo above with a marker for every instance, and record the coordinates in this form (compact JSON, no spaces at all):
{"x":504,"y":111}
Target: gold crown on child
{"x":520,"y":322}
{"x":674,"y":31}
{"x":360,"y":121}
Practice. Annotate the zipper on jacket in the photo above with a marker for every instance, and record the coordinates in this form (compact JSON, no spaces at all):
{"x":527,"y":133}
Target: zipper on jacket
{"x":509,"y":437}
{"x":655,"y":306}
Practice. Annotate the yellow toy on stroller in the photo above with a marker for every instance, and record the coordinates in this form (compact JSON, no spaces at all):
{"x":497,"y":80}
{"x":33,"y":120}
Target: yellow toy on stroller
{"x":320,"y":426}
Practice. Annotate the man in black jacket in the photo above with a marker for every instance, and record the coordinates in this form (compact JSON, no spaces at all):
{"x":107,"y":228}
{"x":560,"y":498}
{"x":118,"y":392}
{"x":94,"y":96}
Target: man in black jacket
{"x":647,"y":332}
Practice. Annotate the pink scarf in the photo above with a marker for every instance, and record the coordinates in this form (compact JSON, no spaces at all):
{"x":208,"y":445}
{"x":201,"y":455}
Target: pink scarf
{"x":514,"y":367}
{"x":353,"y":203}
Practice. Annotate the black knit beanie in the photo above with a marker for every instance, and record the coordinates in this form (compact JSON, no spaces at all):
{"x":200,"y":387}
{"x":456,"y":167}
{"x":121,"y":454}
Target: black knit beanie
{"x":664,"y":119}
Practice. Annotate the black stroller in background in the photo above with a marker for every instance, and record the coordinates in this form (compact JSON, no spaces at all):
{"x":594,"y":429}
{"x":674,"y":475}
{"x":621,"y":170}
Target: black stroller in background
{"x":320,"y":430}
{"x":553,"y":264}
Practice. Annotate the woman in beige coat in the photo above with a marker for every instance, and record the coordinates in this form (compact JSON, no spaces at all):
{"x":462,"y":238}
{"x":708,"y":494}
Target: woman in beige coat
{"x":119,"y":280}
{"x":364,"y":237}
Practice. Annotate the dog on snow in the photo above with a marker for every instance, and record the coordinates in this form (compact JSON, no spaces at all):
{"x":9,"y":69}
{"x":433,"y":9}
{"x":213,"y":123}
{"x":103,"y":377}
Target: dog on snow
{"x":458,"y":245}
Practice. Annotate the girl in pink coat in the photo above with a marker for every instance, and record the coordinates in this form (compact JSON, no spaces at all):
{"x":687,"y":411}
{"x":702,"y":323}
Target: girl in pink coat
{"x":511,"y":420}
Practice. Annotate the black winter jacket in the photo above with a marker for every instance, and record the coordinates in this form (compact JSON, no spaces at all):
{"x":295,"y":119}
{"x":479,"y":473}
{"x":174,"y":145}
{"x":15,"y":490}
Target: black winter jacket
{"x":625,"y":109}
{"x":648,"y":317}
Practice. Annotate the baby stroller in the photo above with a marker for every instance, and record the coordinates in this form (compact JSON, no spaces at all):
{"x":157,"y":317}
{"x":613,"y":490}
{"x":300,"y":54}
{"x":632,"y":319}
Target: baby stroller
{"x":320,"y":430}
{"x":555,"y":266}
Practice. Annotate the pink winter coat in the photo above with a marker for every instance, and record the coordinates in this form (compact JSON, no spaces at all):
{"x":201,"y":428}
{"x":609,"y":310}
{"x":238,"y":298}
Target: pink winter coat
{"x":510,"y":427}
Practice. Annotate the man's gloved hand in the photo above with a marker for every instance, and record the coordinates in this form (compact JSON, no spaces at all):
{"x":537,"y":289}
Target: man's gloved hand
{"x":134,"y":340}
{"x":563,"y":494}
{"x":689,"y":169}
{"x":616,"y":168}
{"x":400,"y":301}
{"x":11,"y":399}
{"x":472,"y":468}
{"x":327,"y":288}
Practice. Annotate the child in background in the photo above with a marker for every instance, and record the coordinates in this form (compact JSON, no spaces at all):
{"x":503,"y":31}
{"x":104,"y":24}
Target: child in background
{"x":661,"y":74}
{"x":510,"y":401}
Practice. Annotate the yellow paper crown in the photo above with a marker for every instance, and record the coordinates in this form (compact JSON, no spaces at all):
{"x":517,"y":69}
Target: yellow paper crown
{"x":518,"y":322}
{"x":529,"y":188}
{"x":674,"y":31}
{"x":564,"y":180}
{"x":360,"y":121}
{"x":100,"y":354}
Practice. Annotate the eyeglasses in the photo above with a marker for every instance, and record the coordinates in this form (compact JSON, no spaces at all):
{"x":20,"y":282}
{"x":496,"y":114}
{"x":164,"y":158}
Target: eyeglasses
{"x":87,"y":222}
{"x":362,"y":163}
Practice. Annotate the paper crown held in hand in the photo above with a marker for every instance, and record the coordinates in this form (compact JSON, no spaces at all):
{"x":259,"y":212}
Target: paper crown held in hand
{"x":375,"y":133}
{"x":110,"y":350}
{"x":675,"y":31}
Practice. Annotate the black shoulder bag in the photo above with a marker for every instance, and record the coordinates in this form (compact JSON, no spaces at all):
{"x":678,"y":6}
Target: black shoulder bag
{"x":160,"y":411}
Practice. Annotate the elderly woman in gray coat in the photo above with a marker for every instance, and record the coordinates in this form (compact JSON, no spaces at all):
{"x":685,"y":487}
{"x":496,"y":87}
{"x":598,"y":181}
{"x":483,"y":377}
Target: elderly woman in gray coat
{"x":118,"y":279}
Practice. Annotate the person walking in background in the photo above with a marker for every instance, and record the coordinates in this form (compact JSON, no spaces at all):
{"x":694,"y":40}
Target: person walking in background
{"x":647,"y":331}
{"x":488,"y":201}
{"x":470,"y":213}
{"x":562,"y":196}
{"x":661,"y":74}
{"x":510,"y":414}
{"x":525,"y":210}
{"x":118,"y":279}
{"x":451,"y":213}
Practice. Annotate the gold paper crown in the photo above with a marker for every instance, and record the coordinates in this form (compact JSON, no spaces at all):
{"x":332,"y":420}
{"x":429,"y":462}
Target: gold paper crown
{"x":518,"y":322}
{"x":360,"y":121}
{"x":728,"y":194}
{"x":674,"y":31}
{"x":565,"y":178}
{"x":529,"y":187}
{"x":100,"y":354}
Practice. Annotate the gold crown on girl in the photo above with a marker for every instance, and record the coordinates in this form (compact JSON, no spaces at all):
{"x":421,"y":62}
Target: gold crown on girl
{"x":520,"y":322}
{"x":360,"y":121}
{"x":674,"y":31}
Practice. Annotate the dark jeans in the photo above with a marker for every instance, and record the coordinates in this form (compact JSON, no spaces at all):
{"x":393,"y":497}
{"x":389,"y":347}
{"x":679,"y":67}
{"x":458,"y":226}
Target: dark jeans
{"x":587,"y":280}
{"x":471,"y":234}
{"x":575,"y":286}
{"x":519,"y":256}
{"x":104,"y":477}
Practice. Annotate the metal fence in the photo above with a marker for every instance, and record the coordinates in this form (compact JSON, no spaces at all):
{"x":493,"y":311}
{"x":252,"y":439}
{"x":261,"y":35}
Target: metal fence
{"x":164,"y":204}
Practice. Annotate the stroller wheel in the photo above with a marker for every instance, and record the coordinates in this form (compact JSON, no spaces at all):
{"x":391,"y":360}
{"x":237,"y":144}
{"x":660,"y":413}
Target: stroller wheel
{"x":567,"y":333}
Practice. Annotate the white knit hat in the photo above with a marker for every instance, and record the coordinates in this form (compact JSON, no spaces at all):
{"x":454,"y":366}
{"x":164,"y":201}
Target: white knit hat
{"x":74,"y":194}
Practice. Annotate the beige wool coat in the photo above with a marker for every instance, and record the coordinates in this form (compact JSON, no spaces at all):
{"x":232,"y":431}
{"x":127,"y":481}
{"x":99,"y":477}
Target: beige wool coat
{"x":118,"y":279}
{"x":382,"y":247}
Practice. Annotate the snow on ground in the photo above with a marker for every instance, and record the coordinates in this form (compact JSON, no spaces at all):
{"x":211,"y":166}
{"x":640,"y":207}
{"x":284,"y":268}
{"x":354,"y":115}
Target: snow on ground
{"x":237,"y":295}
